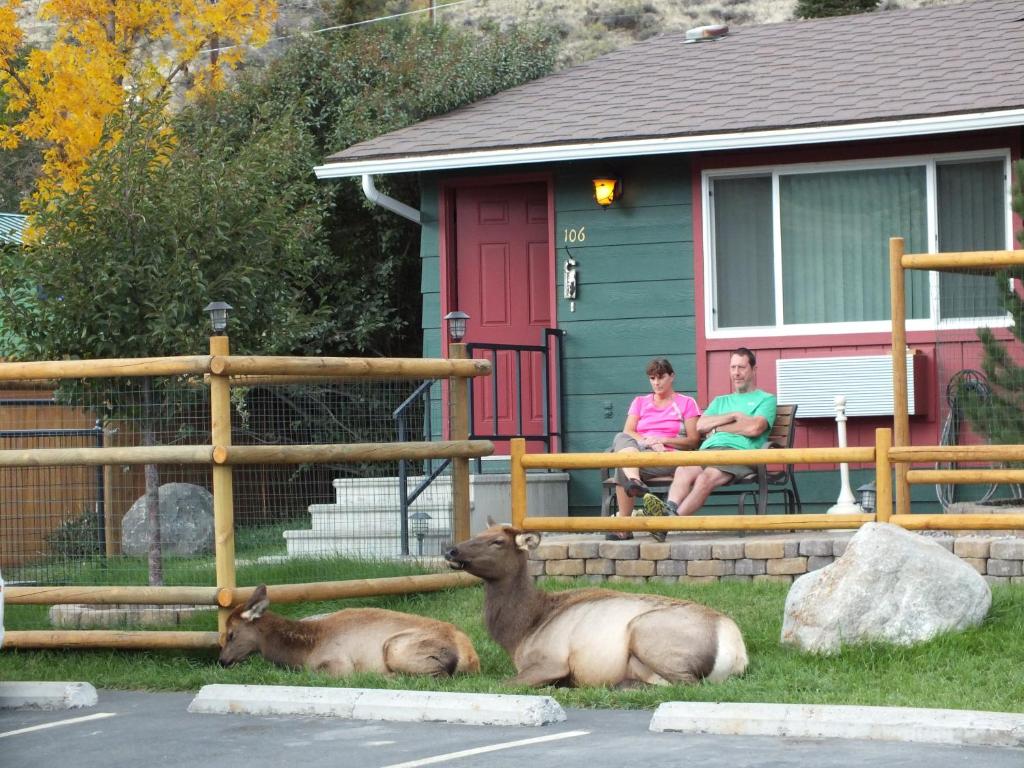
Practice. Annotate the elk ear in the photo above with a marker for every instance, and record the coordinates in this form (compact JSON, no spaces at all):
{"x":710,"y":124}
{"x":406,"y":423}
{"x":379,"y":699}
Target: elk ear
{"x":527,"y":540}
{"x":491,"y":522}
{"x":257,"y":604}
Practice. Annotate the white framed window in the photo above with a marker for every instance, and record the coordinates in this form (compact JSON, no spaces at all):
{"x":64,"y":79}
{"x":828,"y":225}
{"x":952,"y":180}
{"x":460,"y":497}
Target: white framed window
{"x":804,"y":249}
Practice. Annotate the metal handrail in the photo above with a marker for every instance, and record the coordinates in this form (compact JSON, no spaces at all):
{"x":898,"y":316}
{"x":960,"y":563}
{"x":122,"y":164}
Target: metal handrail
{"x":552,"y":390}
{"x":405,"y":498}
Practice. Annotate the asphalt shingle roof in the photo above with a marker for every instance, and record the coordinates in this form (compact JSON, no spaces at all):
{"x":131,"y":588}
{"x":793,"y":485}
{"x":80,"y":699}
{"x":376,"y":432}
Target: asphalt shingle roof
{"x":882,"y":66}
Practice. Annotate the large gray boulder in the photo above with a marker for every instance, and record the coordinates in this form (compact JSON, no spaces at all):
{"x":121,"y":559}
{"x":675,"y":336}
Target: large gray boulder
{"x":889,"y":586}
{"x":186,"y":522}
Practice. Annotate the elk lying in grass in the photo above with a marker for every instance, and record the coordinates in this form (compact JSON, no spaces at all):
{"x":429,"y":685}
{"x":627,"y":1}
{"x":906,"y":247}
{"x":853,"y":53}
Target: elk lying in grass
{"x":352,"y":640}
{"x":593,"y":636}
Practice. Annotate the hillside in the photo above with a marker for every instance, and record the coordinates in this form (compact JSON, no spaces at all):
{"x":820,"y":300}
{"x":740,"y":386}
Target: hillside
{"x":589,"y":28}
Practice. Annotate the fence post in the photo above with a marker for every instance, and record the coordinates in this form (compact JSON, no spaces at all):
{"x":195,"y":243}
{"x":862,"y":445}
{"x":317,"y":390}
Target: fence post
{"x":883,"y":475}
{"x":223,"y":493}
{"x":900,"y":417}
{"x":517,"y":480}
{"x":459,"y":412}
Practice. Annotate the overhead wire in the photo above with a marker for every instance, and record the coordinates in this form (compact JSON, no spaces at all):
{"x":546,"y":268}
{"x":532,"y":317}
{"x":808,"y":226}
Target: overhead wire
{"x":350,"y":25}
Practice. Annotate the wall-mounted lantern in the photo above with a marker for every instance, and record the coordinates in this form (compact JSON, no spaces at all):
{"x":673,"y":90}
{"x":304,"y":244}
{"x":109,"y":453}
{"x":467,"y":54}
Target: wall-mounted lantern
{"x":607,"y":191}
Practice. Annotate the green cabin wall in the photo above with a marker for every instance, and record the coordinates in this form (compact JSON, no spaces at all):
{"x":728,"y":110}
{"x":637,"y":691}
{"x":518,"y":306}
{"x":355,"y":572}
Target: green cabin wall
{"x":635,"y":299}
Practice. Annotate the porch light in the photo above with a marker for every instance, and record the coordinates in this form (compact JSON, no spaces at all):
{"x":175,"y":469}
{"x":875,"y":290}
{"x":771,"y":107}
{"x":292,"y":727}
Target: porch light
{"x":867,"y":496}
{"x":607,"y":191}
{"x":456,"y":323}
{"x":218,"y":316}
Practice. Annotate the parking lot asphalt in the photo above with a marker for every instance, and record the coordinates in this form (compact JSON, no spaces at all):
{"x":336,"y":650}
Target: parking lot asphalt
{"x":155,"y":729}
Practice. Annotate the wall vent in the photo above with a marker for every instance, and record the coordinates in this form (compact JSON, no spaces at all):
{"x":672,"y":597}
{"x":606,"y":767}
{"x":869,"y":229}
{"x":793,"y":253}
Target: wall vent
{"x":813,"y":382}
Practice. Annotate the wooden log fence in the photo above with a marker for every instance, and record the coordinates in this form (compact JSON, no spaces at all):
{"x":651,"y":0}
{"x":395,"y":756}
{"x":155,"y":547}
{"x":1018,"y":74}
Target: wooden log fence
{"x":220,"y":371}
{"x":890,"y":455}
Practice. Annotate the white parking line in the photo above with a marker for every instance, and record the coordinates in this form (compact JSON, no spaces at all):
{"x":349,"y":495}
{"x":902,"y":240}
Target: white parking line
{"x":72,"y":721}
{"x":492,"y":748}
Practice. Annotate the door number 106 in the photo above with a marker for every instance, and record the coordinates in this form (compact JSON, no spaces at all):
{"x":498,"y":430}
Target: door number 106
{"x":574,"y":235}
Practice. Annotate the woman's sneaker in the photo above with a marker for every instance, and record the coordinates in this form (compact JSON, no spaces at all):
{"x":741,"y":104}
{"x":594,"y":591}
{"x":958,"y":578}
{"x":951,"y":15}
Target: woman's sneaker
{"x":653,"y":506}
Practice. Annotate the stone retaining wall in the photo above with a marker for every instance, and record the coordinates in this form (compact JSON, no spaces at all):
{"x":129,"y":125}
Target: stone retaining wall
{"x":767,"y":557}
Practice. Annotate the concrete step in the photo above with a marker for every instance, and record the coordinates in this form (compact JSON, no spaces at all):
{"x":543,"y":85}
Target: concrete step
{"x":329,"y":519}
{"x":380,"y":491}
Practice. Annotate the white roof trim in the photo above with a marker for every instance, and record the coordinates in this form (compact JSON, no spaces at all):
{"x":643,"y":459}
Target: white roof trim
{"x":977,"y":121}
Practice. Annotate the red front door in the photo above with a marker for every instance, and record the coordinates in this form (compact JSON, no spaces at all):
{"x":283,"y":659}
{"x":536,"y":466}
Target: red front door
{"x":504,"y":282}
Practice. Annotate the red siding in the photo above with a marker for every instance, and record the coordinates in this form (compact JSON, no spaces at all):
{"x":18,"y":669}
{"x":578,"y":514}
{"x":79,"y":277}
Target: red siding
{"x":957,"y":350}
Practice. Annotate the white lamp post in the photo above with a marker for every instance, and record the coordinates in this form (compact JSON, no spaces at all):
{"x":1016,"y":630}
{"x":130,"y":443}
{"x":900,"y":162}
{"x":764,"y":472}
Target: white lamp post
{"x":845,"y":504}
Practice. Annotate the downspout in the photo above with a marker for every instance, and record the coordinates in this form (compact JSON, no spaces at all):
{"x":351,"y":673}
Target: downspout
{"x":379,"y":198}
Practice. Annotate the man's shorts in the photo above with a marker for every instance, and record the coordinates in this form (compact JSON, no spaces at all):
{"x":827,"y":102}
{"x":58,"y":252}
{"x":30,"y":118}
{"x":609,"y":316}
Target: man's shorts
{"x":738,"y":471}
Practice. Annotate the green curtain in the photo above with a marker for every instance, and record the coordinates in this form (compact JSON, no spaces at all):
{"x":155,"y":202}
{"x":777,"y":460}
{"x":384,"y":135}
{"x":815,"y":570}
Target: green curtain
{"x":971,"y":217}
{"x":744,"y":260}
{"x":835,"y":242}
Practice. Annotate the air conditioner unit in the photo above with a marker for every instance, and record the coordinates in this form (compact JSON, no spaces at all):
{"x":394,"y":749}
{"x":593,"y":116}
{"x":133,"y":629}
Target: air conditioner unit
{"x":812,"y":383}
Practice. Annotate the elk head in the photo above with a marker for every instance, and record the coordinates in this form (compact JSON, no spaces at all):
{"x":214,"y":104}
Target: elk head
{"x":494,"y":553}
{"x":243,"y":636}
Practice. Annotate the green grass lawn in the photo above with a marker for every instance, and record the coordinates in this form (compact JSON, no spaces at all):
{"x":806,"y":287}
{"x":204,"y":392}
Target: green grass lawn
{"x":977,"y":669}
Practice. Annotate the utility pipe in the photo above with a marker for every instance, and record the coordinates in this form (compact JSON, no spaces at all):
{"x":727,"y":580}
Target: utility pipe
{"x":395,"y":206}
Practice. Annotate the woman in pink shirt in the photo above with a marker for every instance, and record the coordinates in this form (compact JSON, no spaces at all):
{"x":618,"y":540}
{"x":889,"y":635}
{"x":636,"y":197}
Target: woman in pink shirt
{"x":661,"y":421}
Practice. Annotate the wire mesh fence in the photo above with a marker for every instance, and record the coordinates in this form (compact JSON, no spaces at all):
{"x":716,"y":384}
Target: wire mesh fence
{"x":91,"y":525}
{"x":979,"y":354}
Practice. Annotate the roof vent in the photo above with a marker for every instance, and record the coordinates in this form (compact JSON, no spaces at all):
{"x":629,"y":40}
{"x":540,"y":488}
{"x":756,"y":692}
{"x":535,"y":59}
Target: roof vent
{"x":708,"y":32}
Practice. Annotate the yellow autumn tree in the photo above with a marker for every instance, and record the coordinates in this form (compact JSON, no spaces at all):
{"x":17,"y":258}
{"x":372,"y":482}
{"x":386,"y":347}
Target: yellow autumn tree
{"x":105,"y":54}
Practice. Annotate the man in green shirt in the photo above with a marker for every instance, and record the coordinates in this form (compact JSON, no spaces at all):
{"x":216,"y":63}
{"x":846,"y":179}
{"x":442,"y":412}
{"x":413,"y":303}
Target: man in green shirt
{"x":742,"y":420}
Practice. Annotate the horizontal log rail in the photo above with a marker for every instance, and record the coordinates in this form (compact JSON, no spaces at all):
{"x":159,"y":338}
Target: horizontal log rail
{"x":697,"y":458}
{"x":289,"y":368}
{"x":960,"y":261}
{"x":353,"y":367}
{"x":913,"y":454}
{"x":338,"y":590}
{"x":92,"y":457}
{"x":695,"y":523}
{"x":105,"y":638}
{"x":106,"y":595}
{"x":246,"y":454}
{"x":964,"y":476}
{"x":303,"y":454}
{"x":115,"y":368}
{"x":985,"y":521}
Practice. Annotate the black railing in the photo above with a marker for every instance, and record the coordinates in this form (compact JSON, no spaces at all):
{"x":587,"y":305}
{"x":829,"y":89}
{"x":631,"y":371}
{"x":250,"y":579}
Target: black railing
{"x":405,"y":497}
{"x":550,"y":354}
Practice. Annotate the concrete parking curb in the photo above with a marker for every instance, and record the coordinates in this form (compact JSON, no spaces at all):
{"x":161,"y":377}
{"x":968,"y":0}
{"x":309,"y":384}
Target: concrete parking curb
{"x":934,"y":726}
{"x":31,"y":695}
{"x":372,"y":704}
